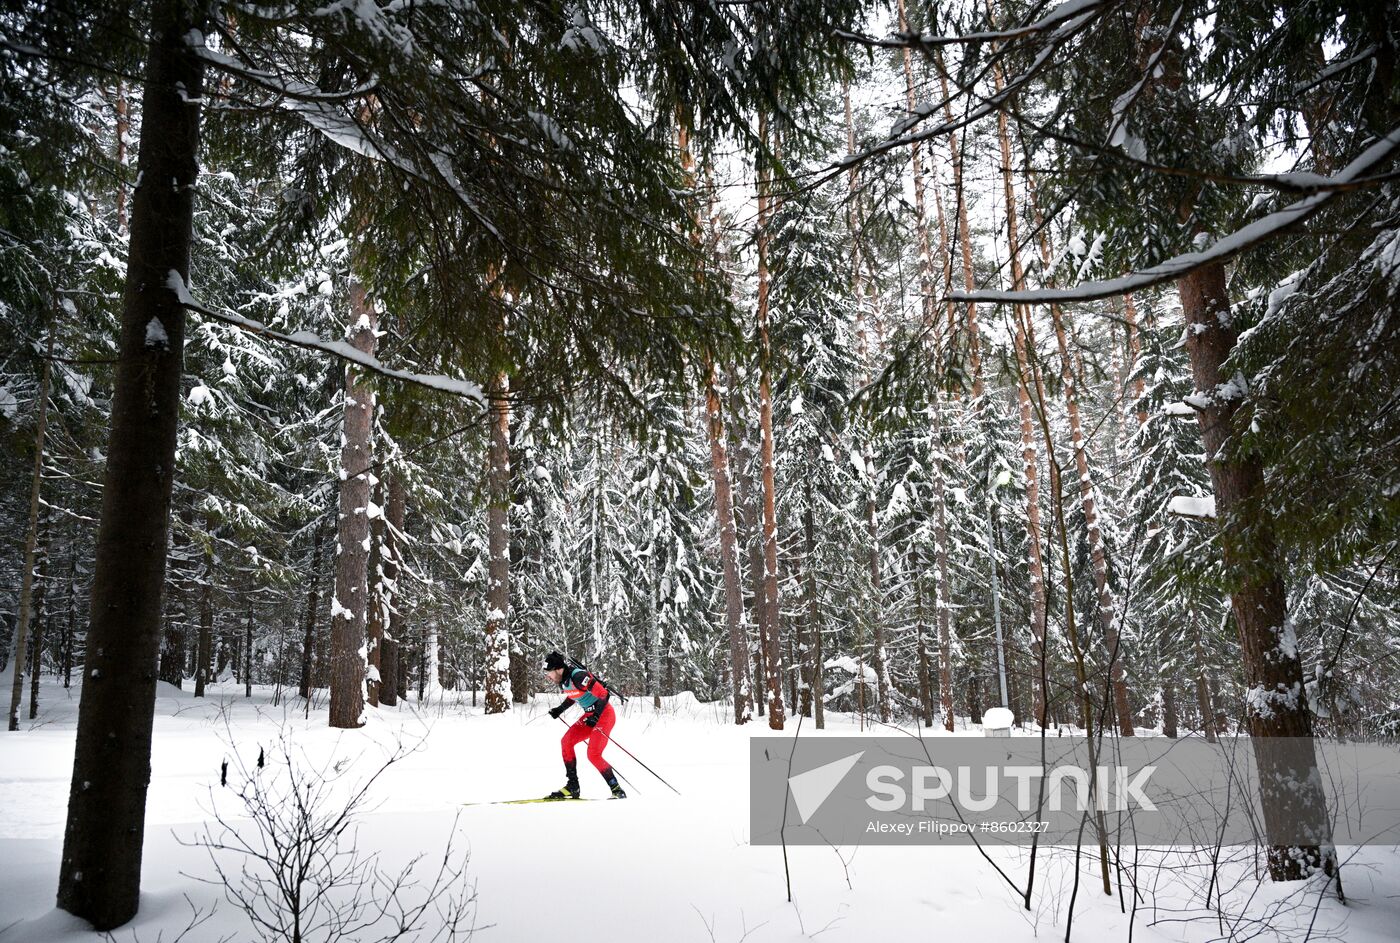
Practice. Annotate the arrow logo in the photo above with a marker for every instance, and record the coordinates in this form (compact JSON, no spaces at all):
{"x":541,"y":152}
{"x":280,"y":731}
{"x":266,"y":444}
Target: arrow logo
{"x":812,"y":788}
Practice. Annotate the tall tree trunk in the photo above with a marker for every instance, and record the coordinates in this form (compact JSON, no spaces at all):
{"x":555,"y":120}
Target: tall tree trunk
{"x":1169,"y":718}
{"x":172,"y":648}
{"x":100,"y":875}
{"x":1108,"y":617}
{"x":719,"y":471}
{"x":26,"y":584}
{"x":920,"y":624}
{"x":728,"y":547}
{"x":248,"y":653}
{"x":1034,"y":561}
{"x":204,"y":654}
{"x":313,"y":599}
{"x":876,"y":602}
{"x":71,"y":627}
{"x":375,"y":615}
{"x":816,"y":681}
{"x":1024,"y":352}
{"x":1139,"y":385}
{"x":122,"y":109}
{"x":1276,"y":704}
{"x":43,"y":607}
{"x":497,"y":655}
{"x":768,"y":614}
{"x":943,"y":605}
{"x":350,"y":603}
{"x":390,"y":647}
{"x":964,"y":233}
{"x":927,"y":280}
{"x":747,"y":533}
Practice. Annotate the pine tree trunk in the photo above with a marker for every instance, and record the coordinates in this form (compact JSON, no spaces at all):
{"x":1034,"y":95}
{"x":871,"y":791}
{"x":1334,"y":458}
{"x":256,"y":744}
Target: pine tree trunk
{"x":815,"y":680}
{"x":927,"y":281}
{"x":964,"y":233}
{"x":42,"y":613}
{"x":375,"y":616}
{"x":172,"y":648}
{"x":768,"y":614}
{"x":497,"y":654}
{"x":1024,"y":346}
{"x":1034,"y":560}
{"x":350,"y":603}
{"x":71,"y":627}
{"x":876,"y":602}
{"x":248,"y":654}
{"x":313,"y":599}
{"x":391,"y":646}
{"x":122,"y":109}
{"x":728,"y":546}
{"x":1276,"y":702}
{"x":204,"y":654}
{"x":1169,"y":718}
{"x":1108,"y":618}
{"x":101,"y":871}
{"x":925,"y":678}
{"x":1139,"y":385}
{"x":943,"y":605}
{"x":26,"y":586}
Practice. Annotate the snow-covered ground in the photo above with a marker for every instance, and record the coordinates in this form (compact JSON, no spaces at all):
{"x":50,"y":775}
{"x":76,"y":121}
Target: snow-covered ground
{"x":656,"y":867}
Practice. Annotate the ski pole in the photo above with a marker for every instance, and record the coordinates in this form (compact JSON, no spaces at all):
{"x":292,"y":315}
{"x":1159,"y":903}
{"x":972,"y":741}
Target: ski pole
{"x":634,"y":758}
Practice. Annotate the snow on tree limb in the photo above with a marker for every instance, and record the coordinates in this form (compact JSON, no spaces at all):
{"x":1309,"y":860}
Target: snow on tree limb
{"x":307,"y":339}
{"x":1221,"y":250}
{"x":1067,"y":11}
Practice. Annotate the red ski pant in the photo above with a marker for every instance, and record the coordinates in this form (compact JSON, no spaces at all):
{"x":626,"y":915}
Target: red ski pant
{"x":597,"y":738}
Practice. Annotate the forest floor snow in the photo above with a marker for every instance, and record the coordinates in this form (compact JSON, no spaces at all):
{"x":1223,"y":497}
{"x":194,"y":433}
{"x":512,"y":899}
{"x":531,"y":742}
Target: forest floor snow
{"x":658,"y":866}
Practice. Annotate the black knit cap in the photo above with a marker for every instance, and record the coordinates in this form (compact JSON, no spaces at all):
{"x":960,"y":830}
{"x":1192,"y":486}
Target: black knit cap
{"x":553,"y":660}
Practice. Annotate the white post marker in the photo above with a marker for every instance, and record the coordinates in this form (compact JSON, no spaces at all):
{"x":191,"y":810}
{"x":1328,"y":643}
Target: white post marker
{"x":997,"y":721}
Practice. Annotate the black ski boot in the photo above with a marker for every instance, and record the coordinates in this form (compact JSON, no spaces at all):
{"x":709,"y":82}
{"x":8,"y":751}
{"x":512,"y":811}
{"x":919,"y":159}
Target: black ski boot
{"x":570,"y":788}
{"x":611,"y":778}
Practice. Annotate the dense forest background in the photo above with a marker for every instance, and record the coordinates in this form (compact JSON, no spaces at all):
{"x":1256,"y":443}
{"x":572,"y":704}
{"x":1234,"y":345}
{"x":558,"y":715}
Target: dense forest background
{"x":841,"y":356}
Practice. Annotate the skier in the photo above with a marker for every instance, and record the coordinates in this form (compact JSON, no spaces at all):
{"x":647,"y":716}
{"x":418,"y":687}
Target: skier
{"x":595,"y":726}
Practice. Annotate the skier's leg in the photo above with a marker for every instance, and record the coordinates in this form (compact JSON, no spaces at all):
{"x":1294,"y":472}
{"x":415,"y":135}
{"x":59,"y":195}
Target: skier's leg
{"x":598,"y":738}
{"x":576,"y":734}
{"x":572,"y":738}
{"x":597,"y":742}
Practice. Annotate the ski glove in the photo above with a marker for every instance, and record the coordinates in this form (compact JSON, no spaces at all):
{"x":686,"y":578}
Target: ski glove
{"x":590,"y":720}
{"x":555,"y":712}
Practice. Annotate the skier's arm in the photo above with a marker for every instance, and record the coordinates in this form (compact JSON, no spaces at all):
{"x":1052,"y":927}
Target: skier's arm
{"x":563,"y":706}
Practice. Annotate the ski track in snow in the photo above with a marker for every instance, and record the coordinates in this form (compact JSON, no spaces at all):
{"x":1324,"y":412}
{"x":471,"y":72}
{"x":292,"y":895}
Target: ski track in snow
{"x":656,"y":867}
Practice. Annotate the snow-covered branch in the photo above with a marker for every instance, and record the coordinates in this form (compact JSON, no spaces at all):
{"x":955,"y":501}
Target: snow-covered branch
{"x":311,"y":341}
{"x":1261,"y":230}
